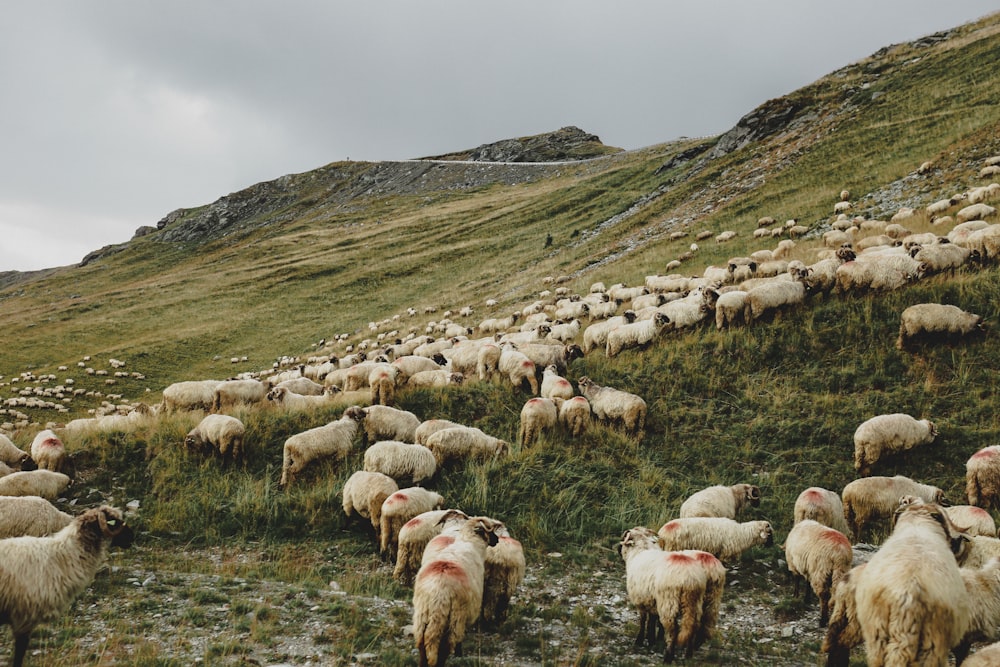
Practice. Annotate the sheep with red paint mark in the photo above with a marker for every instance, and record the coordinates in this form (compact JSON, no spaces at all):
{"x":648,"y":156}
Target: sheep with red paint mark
{"x":399,"y":508}
{"x":555,"y":385}
{"x":873,"y":499}
{"x":575,"y":416}
{"x":821,"y":556}
{"x":982,"y":477}
{"x":973,"y":520}
{"x":448,"y":592}
{"x":416,"y":534}
{"x":538,"y":415}
{"x":48,"y":451}
{"x":517,"y":368}
{"x":823,"y":506}
{"x":724,"y":538}
{"x":505,"y":568}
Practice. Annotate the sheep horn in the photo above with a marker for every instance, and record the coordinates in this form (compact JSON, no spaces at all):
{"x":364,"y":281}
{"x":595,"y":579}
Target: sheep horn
{"x":109,"y":528}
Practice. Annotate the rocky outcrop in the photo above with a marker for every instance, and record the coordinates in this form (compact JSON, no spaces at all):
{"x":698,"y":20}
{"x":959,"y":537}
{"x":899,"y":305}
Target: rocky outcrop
{"x":566,"y":144}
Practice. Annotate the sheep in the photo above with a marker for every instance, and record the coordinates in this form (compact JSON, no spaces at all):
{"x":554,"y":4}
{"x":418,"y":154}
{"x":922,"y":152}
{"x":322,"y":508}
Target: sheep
{"x":843,"y":631}
{"x":504,"y":571}
{"x":294,"y":402}
{"x":983,"y":588}
{"x":465,"y":443}
{"x":440,"y":378}
{"x":720,"y":501}
{"x":977,"y":211}
{"x":724,"y":538}
{"x":488,"y":361}
{"x":772,"y":296}
{"x":410,"y":364}
{"x":399,"y":508}
{"x":925,"y":320}
{"x":363,"y":495}
{"x":30,"y":515}
{"x":911,"y":601}
{"x":414,"y":537}
{"x":518,"y":368}
{"x":637,"y":334}
{"x":44,"y":483}
{"x":661,"y":284}
{"x":220,"y":434}
{"x":727,"y":235}
{"x":302,"y":386}
{"x":683,"y":589}
{"x":596,"y":335}
{"x":823,"y":506}
{"x":48,"y":451}
{"x":942,"y":205}
{"x":572,"y":310}
{"x":982,"y":478}
{"x":988,"y":656}
{"x":546,"y":354}
{"x":575,"y":416}
{"x":973,"y":520}
{"x":498,"y":324}
{"x":429,"y":427}
{"x":870,"y":275}
{"x":448,"y":592}
{"x":234,"y":393}
{"x":400,"y":460}
{"x":565,"y":332}
{"x":14,"y":456}
{"x":554,"y":385}
{"x":382,"y":381}
{"x":40,"y":577}
{"x":382,"y":422}
{"x":822,"y":556}
{"x":874,"y":498}
{"x":978,"y":550}
{"x":189,"y":395}
{"x":888,"y":434}
{"x":537,"y":415}
{"x":613,"y":406}
{"x":730,"y":309}
{"x":940,"y":257}
{"x":332,"y":440}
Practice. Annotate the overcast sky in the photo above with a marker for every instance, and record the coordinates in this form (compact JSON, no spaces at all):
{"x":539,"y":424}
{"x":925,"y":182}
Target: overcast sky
{"x":115,"y":113}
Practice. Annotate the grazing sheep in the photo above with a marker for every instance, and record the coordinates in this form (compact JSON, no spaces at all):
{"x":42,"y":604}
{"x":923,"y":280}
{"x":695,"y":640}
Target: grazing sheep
{"x":982,"y":478}
{"x":44,"y":483}
{"x":416,"y":534}
{"x":972,"y":520}
{"x":465,"y":443}
{"x":399,"y":508}
{"x":441,"y":378}
{"x":333,"y":440}
{"x":730,"y":309}
{"x":537,"y":415}
{"x":518,"y":368}
{"x":884,"y":435}
{"x":546,"y":354}
{"x":363,"y":495}
{"x":843,"y":631}
{"x":724,"y":538}
{"x":596,"y":335}
{"x":555,"y":385}
{"x":940,"y":257}
{"x":448,"y":592}
{"x":30,"y":515}
{"x":293,"y":402}
{"x":40,"y":577}
{"x":876,"y":498}
{"x":498,"y":324}
{"x":822,"y":556}
{"x":682,"y":589}
{"x":574,"y":415}
{"x":302,"y":386}
{"x":823,"y":506}
{"x":504,"y":572}
{"x":189,"y":395}
{"x":614,"y":406}
{"x":220,"y":434}
{"x":429,"y":427}
{"x":236,"y":393}
{"x":720,"y":501}
{"x":929,"y":320}
{"x":911,"y":601}
{"x":14,"y":456}
{"x":988,"y":656}
{"x":565,"y":332}
{"x":978,"y":211}
{"x":637,"y":334}
{"x":978,"y":550}
{"x":382,"y":422}
{"x":48,"y":451}
{"x":402,"y":461}
{"x":382,"y":381}
{"x":774,"y":295}
{"x":409,"y":365}
{"x":983,"y":588}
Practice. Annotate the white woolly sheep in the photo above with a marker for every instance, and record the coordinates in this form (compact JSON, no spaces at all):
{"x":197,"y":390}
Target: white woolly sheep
{"x":363,"y":495}
{"x":411,"y":364}
{"x":465,"y":443}
{"x":48,"y":451}
{"x":189,"y":395}
{"x":929,"y":320}
{"x":775,"y":295}
{"x":575,"y":416}
{"x":488,"y":361}
{"x":823,"y":506}
{"x":873,"y":499}
{"x":537,"y":416}
{"x":940,"y":257}
{"x":978,"y":550}
{"x":219,"y":434}
{"x":333,"y":440}
{"x":912,"y":606}
{"x":682,"y":589}
{"x":982,"y":478}
{"x":614,"y":406}
{"x":565,"y":332}
{"x":821,"y":556}
{"x":294,"y":402}
{"x":448,"y":592}
{"x":724,"y":538}
{"x":382,"y":381}
{"x":988,"y":656}
{"x":235,"y":393}
{"x":30,"y":515}
{"x":727,"y":235}
{"x":983,"y":588}
{"x":843,"y":632}
{"x":978,"y":211}
{"x":302,"y":386}
{"x":44,"y":483}
{"x":661,"y":284}
{"x":596,"y":335}
{"x":720,"y":501}
{"x":40,"y":577}
{"x":884,"y":435}
{"x":498,"y":324}
{"x":730,"y":309}
{"x":972,"y":520}
{"x":547,"y":354}
{"x":429,"y":427}
{"x":504,"y":572}
{"x":637,"y":334}
{"x":440,"y":378}
{"x":862,"y":275}
{"x":399,"y":508}
{"x":402,"y":461}
{"x":416,"y":534}
{"x":554,"y":385}
{"x":14,"y":456}
{"x":382,"y":422}
{"x":517,"y":368}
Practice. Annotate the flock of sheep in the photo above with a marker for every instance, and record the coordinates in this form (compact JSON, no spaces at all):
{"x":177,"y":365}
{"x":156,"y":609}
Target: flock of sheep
{"x":465,"y":569}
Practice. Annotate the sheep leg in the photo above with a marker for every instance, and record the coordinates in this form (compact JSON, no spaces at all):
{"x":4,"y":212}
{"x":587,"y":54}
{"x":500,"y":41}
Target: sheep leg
{"x":458,"y":651}
{"x":643,"y":622}
{"x":961,"y":652}
{"x":21,"y":647}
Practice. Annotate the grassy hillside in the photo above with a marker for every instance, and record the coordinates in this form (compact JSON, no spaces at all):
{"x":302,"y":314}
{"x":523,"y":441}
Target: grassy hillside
{"x":775,"y":404}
